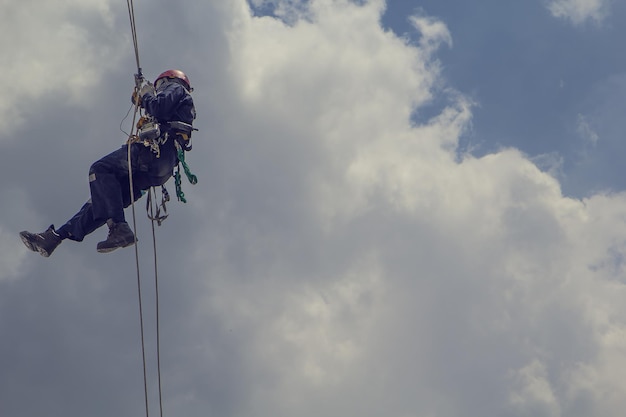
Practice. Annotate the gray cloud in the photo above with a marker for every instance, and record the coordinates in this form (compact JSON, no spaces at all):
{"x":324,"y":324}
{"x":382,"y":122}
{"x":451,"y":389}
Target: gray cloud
{"x":334,"y":259}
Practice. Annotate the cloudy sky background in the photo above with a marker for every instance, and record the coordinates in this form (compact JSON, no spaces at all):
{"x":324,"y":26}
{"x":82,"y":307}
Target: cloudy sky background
{"x":408,"y":209}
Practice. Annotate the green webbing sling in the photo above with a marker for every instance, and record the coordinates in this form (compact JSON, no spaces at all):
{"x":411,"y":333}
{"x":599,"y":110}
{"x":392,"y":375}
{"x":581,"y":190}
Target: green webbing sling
{"x":192,"y":178}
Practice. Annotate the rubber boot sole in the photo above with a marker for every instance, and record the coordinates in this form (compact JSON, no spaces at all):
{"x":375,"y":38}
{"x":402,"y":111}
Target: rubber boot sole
{"x":26,"y":238}
{"x":112,"y":248}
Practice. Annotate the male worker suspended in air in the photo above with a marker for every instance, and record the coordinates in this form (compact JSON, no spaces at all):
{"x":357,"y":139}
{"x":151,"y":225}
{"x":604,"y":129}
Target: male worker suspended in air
{"x":152,"y":162}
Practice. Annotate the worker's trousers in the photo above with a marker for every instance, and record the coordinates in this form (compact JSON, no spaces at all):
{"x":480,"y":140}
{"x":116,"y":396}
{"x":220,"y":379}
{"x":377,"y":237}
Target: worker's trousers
{"x":110,"y":189}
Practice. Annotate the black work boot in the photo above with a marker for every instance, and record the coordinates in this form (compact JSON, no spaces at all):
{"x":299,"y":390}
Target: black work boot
{"x":120,"y":236}
{"x":44,"y":243}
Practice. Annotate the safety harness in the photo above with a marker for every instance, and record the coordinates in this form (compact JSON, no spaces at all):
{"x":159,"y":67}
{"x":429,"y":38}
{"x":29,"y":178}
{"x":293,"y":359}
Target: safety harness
{"x":150,"y":135}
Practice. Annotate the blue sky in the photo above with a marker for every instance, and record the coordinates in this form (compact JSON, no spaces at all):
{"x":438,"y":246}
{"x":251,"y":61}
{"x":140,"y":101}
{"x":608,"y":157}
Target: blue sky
{"x":535,"y":78}
{"x":403,"y":209}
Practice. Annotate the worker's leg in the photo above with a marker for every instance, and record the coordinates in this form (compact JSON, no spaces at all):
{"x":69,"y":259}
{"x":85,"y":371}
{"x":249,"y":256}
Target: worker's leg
{"x":110,"y":194}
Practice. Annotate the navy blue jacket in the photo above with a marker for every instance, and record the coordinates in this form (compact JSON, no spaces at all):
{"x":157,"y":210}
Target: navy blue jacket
{"x":172,"y":102}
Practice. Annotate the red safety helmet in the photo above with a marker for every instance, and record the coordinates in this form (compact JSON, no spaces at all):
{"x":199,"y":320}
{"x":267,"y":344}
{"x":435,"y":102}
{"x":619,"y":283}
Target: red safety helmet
{"x":174,"y":74}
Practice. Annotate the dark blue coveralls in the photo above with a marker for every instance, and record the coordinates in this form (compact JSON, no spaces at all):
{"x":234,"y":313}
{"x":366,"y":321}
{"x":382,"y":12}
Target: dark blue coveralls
{"x":108,"y":177}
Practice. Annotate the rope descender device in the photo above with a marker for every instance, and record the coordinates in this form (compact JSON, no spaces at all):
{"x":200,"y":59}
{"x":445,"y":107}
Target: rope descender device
{"x":138,"y":78}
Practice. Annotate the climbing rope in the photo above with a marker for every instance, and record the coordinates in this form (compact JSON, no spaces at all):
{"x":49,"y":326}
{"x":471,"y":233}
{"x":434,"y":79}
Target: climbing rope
{"x":133,"y":29}
{"x":154,"y":219}
{"x":138,"y":82}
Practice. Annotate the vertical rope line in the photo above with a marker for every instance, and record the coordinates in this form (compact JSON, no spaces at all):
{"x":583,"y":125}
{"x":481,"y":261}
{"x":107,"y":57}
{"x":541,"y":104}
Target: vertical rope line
{"x":141,"y":321}
{"x":138,"y":80}
{"x":156,"y":287}
{"x":133,"y":28}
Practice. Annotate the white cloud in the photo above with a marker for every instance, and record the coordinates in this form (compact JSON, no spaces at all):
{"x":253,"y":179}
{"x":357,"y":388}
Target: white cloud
{"x":335,"y":258}
{"x":535,"y":393}
{"x":586,"y":131}
{"x":381,"y":275}
{"x":434,"y":32}
{"x":14,"y":204}
{"x":552,"y":163}
{"x":53,"y":49}
{"x":12,"y":256}
{"x":579,"y":11}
